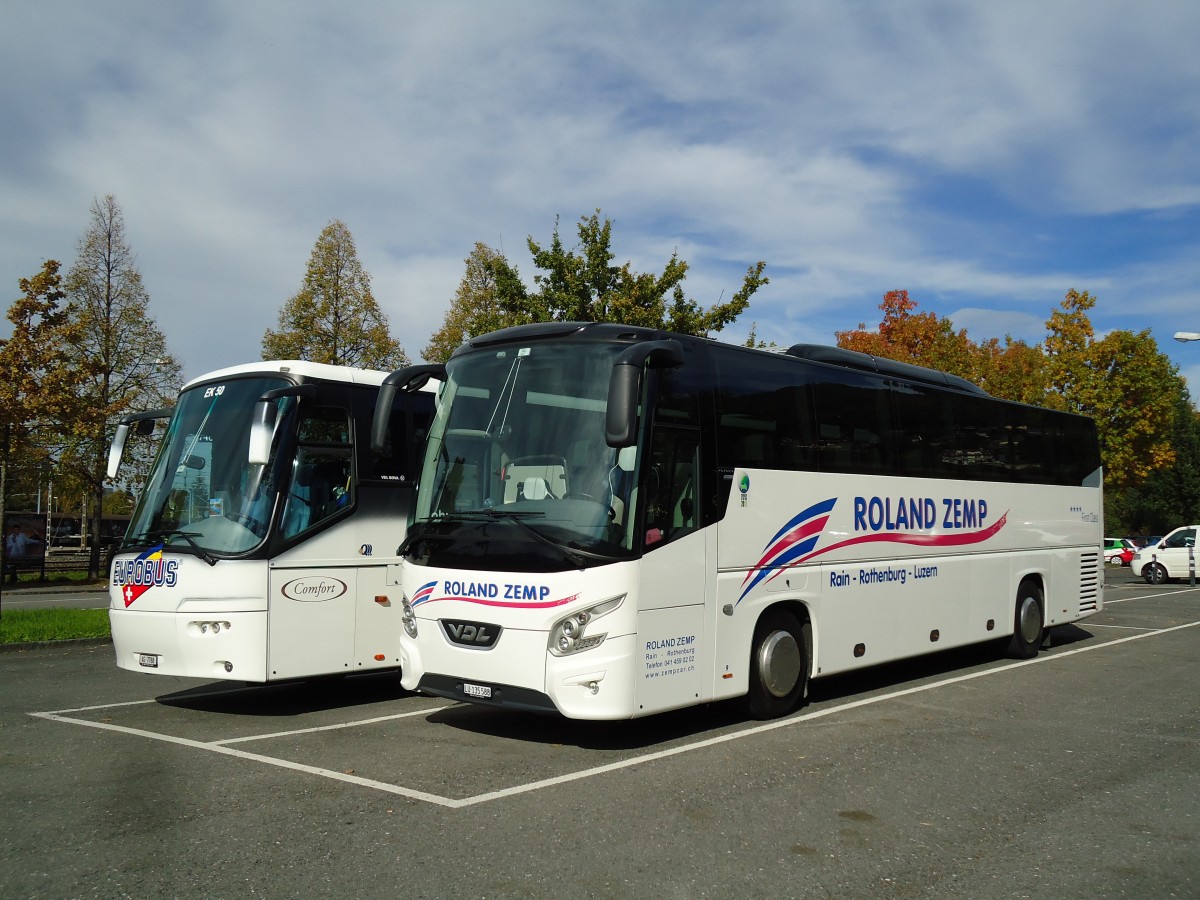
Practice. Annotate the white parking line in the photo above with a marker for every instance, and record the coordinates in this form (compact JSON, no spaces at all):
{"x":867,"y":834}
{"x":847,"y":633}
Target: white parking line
{"x":354,"y":724}
{"x":1168,"y":593}
{"x":257,"y":757}
{"x":452,"y":803}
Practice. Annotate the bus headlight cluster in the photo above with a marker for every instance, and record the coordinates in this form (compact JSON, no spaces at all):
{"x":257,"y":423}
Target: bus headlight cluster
{"x":577,"y":632}
{"x":213,"y":627}
{"x":408,"y":618}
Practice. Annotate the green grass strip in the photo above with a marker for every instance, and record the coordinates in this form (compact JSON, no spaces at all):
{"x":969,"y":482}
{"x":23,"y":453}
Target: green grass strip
{"x":21,"y":626}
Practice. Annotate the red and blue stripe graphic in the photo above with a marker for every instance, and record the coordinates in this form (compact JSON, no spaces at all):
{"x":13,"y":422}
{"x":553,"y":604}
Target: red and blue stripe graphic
{"x":796,"y":542}
{"x":790,"y":544}
{"x":424,"y":593}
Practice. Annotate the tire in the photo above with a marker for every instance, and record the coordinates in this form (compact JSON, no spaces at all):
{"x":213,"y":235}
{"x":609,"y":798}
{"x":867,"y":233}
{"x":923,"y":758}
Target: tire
{"x":1154,"y":573}
{"x":778,"y":666}
{"x":1029,"y":621}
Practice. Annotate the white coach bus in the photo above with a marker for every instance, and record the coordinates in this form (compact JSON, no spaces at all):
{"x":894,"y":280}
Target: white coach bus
{"x":259,"y":549}
{"x":613,"y":521}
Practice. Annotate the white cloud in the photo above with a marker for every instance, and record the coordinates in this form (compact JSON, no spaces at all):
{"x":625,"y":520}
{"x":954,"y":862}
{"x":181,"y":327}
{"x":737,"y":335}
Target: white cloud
{"x":831,"y":140}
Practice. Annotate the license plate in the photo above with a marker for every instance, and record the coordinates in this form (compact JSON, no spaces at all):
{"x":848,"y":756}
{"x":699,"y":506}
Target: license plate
{"x":149,"y":660}
{"x":477,"y":690}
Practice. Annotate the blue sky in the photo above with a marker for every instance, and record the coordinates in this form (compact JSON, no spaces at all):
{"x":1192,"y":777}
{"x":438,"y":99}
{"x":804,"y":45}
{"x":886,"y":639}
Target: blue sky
{"x":985,"y":157}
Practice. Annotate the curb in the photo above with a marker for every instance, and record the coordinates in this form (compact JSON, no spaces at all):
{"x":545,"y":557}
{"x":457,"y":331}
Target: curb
{"x":67,"y":642}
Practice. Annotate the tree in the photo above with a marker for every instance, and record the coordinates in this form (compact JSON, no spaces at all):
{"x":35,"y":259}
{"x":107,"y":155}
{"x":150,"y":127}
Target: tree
{"x":1069,"y":337}
{"x":334,"y":318}
{"x":1169,"y":496}
{"x":582,"y":284}
{"x":923,"y":339}
{"x":489,"y":297}
{"x":37,"y":384}
{"x":116,"y":346}
{"x":1012,"y":371}
{"x":1123,"y":382}
{"x":753,"y":341}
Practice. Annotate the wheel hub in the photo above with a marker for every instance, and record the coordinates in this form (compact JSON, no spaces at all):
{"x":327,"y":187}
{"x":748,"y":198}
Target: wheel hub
{"x":779,"y":662}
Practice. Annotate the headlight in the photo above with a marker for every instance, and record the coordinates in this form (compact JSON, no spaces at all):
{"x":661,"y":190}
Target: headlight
{"x":408,"y":618}
{"x":575,"y":633}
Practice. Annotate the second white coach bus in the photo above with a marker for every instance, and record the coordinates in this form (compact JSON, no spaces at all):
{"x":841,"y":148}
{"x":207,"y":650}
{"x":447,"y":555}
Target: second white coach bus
{"x":613,"y":521}
{"x":259,"y":548}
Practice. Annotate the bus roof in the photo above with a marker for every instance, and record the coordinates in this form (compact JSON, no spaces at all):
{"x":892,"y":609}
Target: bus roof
{"x":297,"y":368}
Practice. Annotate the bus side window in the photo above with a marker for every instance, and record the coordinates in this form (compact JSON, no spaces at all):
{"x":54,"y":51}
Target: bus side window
{"x":855,"y":424}
{"x":322,"y":482}
{"x":670,"y":485}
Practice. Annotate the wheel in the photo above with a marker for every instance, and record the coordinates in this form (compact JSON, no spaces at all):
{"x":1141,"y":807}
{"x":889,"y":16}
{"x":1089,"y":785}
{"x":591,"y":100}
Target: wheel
{"x":1154,"y":573}
{"x":778,"y":668}
{"x":1029,"y":622}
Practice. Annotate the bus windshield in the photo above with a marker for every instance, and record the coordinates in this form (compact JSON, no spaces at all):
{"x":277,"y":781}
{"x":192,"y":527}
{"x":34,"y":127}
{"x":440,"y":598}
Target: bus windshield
{"x":517,"y":450}
{"x":202,"y":493}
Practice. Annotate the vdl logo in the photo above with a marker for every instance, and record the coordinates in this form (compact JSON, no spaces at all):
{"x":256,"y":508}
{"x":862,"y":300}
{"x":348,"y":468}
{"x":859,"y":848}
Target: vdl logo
{"x":477,"y":635}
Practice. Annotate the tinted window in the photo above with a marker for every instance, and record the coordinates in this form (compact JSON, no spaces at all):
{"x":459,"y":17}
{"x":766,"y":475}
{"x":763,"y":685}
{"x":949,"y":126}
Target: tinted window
{"x":925,"y":444}
{"x":854,"y":423}
{"x":764,"y":414}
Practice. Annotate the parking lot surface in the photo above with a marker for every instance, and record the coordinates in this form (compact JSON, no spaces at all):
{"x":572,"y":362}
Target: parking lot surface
{"x":962,"y":774}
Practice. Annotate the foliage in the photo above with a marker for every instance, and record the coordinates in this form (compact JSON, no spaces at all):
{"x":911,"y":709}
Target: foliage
{"x":117,"y":348}
{"x":580,"y":284}
{"x":334,"y":318}
{"x":1121,"y":381}
{"x":489,"y":297}
{"x":37,"y":382}
{"x":1069,"y":336}
{"x":752,"y":340}
{"x":1012,"y":371}
{"x":923,"y":339}
{"x":1169,"y":496}
{"x":1133,"y":394}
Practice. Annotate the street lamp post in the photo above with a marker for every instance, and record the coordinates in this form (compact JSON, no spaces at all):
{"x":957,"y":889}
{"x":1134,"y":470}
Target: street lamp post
{"x":1185,"y":336}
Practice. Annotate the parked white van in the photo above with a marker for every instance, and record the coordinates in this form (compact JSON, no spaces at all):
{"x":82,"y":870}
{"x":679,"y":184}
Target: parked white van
{"x":1169,"y":558}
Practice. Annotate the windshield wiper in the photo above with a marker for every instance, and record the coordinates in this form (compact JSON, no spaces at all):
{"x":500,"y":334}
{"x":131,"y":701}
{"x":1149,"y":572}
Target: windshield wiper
{"x":163,"y":537}
{"x":574,"y":556}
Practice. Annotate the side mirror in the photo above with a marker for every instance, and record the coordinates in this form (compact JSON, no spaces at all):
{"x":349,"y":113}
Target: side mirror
{"x":620,"y":421}
{"x":262,"y":429}
{"x":262,"y":426}
{"x":116,"y":448}
{"x":408,"y":379}
{"x":144,"y":422}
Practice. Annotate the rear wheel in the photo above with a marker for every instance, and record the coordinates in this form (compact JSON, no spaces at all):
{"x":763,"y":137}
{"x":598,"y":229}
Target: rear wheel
{"x":778,"y":667}
{"x":1029,"y":621}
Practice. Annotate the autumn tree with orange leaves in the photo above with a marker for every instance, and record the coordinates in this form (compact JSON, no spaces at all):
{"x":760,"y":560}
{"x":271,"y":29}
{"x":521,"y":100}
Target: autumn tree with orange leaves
{"x":1012,"y":370}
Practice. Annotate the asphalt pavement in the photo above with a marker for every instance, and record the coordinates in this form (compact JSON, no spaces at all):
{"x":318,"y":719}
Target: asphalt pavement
{"x":963,"y":774}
